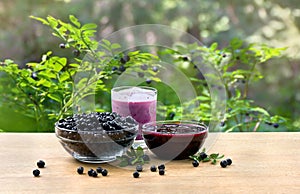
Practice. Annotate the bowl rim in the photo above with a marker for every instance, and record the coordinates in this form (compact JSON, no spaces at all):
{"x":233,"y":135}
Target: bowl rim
{"x":133,"y":128}
{"x":161,"y":122}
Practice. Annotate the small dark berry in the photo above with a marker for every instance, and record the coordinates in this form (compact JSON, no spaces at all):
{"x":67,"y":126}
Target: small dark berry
{"x":90,"y":172}
{"x":62,"y":46}
{"x":155,"y":69}
{"x":269,"y":123}
{"x":161,"y":171}
{"x":136,"y":174}
{"x":162,"y":166}
{"x":237,"y":58}
{"x":171,"y":115}
{"x":76,"y":53}
{"x":114,"y":68}
{"x":99,"y":169}
{"x":148,"y":81}
{"x":222,"y":124}
{"x":275,"y":125}
{"x":224,"y":55}
{"x":185,"y":58}
{"x":144,"y":67}
{"x":34,"y":76}
{"x":229,"y":161}
{"x":122,"y":68}
{"x":80,"y":170}
{"x":40,"y":164}
{"x":223,"y":163}
{"x":36,"y":172}
{"x":203,"y":155}
{"x":146,"y":157}
{"x":141,"y":74}
{"x":195,"y":163}
{"x":139,"y":168}
{"x":104,"y":172}
{"x":153,"y":168}
{"x":94,"y":174}
{"x":125,"y":59}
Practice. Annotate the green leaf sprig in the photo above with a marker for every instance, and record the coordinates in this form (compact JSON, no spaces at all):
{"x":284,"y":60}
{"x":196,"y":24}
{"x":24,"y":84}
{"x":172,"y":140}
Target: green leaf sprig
{"x":133,"y":157}
{"x":202,"y":156}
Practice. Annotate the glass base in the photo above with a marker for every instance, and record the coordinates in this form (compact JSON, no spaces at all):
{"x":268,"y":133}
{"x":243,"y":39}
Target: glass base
{"x":94,"y":160}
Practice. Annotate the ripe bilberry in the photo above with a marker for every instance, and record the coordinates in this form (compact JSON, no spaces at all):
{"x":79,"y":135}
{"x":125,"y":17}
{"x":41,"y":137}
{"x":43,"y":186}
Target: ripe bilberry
{"x":36,"y":172}
{"x":80,"y":170}
{"x":136,"y":174}
{"x":40,"y":164}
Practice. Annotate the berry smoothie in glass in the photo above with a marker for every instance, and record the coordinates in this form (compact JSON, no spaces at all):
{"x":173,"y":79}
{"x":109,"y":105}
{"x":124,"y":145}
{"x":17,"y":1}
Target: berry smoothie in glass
{"x":136,"y":101}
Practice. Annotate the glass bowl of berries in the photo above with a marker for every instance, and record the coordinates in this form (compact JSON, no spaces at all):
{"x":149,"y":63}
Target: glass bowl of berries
{"x":176,"y":140}
{"x":96,"y":137}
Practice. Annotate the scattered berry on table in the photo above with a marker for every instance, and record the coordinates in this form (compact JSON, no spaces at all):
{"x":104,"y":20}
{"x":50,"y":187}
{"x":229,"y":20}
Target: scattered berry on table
{"x":40,"y":164}
{"x":195,"y":163}
{"x":161,"y":171}
{"x":203,"y":155}
{"x":223,"y":163}
{"x":104,"y":172}
{"x":90,"y":172}
{"x":99,"y":169}
{"x":80,"y":170}
{"x":229,"y":161}
{"x":139,"y":168}
{"x":161,"y":166}
{"x":136,"y":174}
{"x":94,"y":174}
{"x":36,"y":172}
{"x":153,"y":168}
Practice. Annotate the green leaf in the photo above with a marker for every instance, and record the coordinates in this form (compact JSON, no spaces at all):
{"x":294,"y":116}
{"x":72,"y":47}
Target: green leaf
{"x":54,"y":97}
{"x":40,"y":19}
{"x":89,"y":26}
{"x":214,"y":156}
{"x":236,"y":43}
{"x":52,"y":21}
{"x":139,"y":152}
{"x":74,"y":20}
{"x":206,"y":159}
{"x":213,"y":46}
{"x":115,"y":46}
{"x":260,"y":110}
{"x":64,"y":76}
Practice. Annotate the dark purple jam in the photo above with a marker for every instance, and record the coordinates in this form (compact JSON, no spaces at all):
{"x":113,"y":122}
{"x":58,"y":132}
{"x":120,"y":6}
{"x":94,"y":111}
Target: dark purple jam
{"x":175,"y":140}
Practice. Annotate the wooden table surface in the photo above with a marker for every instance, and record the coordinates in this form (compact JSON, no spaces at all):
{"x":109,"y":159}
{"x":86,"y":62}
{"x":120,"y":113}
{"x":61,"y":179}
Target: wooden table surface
{"x":262,"y":163}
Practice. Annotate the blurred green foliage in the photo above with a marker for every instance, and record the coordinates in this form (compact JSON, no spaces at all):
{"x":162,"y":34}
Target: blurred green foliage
{"x":275,"y":23}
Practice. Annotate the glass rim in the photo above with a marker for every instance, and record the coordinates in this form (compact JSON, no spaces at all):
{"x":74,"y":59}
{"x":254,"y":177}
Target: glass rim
{"x":119,"y":88}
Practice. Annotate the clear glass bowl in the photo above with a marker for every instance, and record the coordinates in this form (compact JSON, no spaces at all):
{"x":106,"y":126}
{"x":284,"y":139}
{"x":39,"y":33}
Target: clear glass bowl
{"x":96,"y":146}
{"x":174,"y":139}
